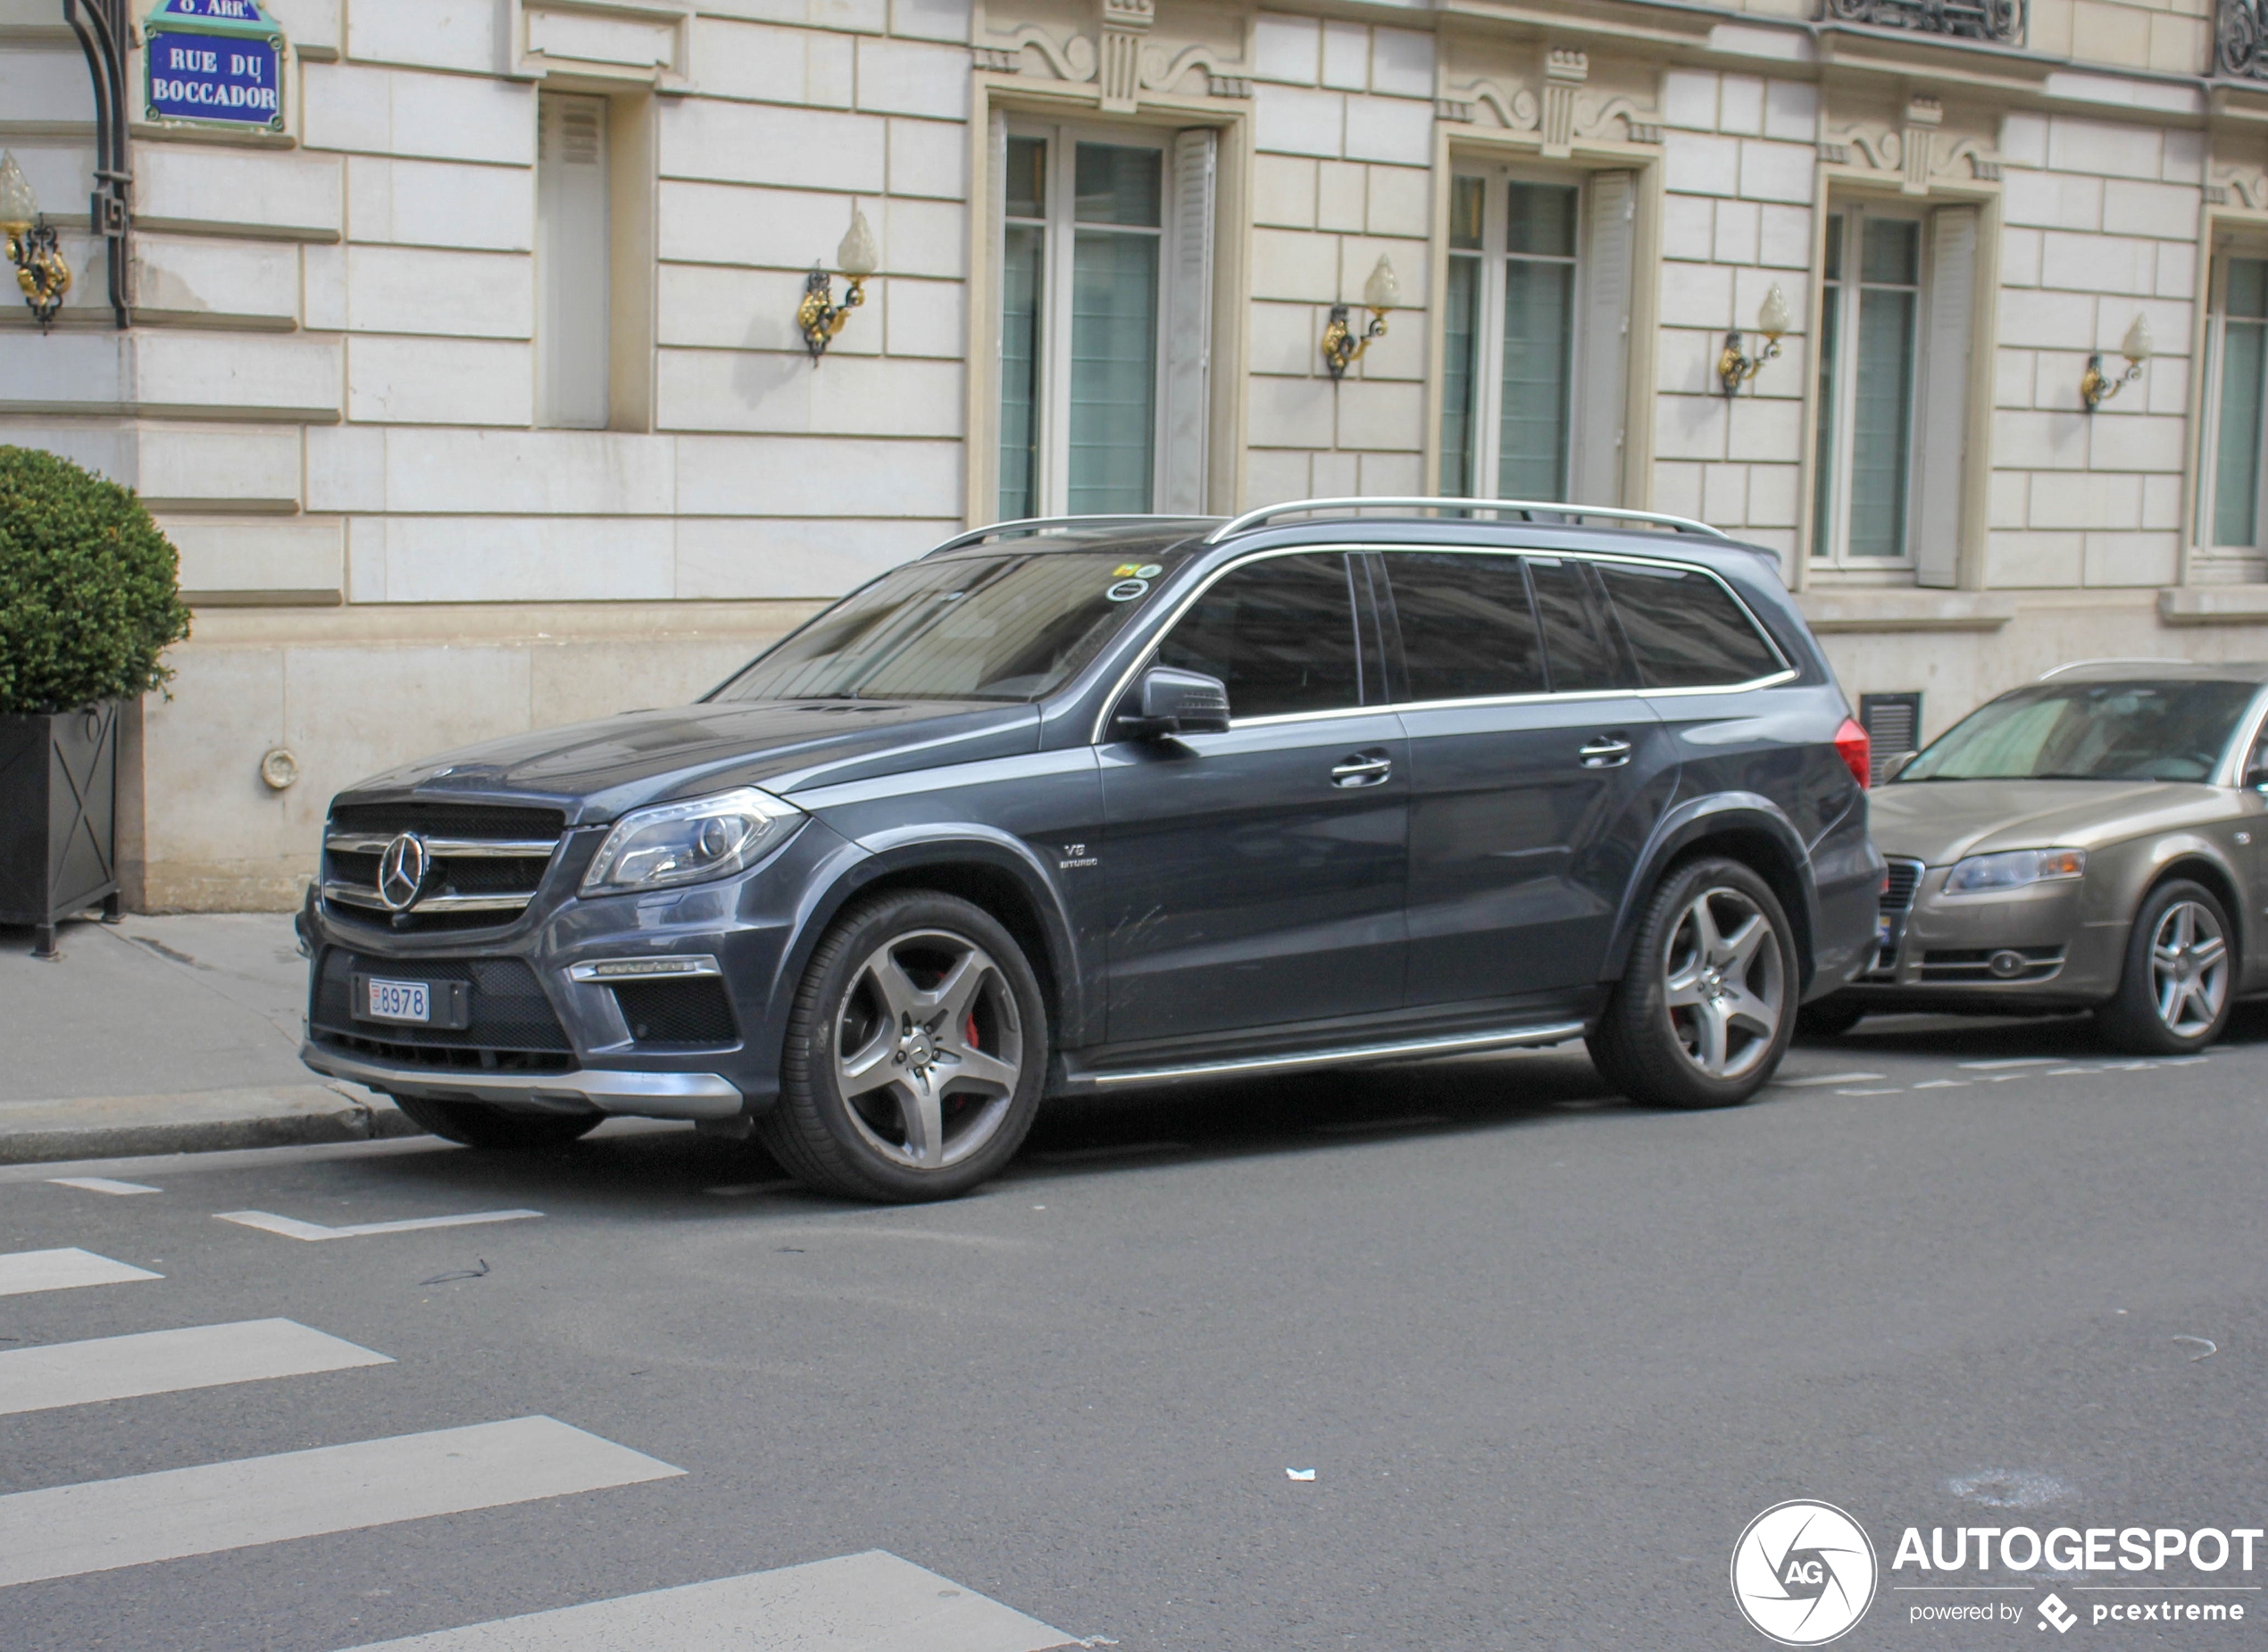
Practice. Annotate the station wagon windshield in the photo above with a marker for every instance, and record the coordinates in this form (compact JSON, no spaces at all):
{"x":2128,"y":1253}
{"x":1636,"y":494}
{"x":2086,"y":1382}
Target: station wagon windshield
{"x":2091,"y":731}
{"x":961,"y":628}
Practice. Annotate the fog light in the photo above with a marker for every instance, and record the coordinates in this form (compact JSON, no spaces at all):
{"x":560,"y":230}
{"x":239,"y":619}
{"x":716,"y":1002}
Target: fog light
{"x":2005,"y":964}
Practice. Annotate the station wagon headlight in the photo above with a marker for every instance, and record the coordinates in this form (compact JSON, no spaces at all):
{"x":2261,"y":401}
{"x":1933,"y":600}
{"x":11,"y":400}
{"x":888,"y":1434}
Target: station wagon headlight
{"x":675,"y":843}
{"x":2012,"y":869}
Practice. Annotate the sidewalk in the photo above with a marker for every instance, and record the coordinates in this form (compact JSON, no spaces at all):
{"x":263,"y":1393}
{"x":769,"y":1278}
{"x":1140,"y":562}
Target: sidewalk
{"x":165,"y":1035}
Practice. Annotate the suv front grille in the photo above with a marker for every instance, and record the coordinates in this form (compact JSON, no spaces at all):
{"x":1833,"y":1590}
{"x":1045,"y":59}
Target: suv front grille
{"x":512,"y":1025}
{"x":485,"y":862}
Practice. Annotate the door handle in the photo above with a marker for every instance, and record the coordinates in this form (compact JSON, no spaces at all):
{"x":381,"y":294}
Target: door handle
{"x":1362,"y":769}
{"x":1608,"y":751}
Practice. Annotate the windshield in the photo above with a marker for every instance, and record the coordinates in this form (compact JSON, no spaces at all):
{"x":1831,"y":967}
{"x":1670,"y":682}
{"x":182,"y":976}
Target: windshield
{"x":2090,"y":731}
{"x":961,"y":628}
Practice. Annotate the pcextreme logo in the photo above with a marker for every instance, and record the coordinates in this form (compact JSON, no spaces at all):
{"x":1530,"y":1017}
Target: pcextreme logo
{"x":1802,"y":1573}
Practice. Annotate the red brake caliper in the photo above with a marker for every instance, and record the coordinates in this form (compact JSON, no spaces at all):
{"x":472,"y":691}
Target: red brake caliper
{"x":972,"y":1029}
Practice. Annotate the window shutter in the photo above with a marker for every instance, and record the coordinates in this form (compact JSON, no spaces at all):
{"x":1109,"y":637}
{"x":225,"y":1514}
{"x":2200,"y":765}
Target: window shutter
{"x":573,"y":250}
{"x":1943,"y":414}
{"x":985,"y":508}
{"x":1602,"y":396}
{"x":1188,"y":344}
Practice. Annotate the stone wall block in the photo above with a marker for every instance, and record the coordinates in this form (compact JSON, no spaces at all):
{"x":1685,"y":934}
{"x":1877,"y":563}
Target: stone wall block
{"x":2107,"y":148}
{"x":741,"y":59}
{"x":740,"y":390}
{"x":777,"y":476}
{"x":2020,"y":255}
{"x":440,"y":204}
{"x":1287,"y":265}
{"x":1738,"y":224}
{"x":200,"y":277}
{"x":929,"y":158}
{"x":1740,"y":104}
{"x":2098,"y":263}
{"x":2009,"y":499}
{"x":2023,"y":138}
{"x":1395,"y":130}
{"x":2012,"y":378}
{"x":175,"y":184}
{"x":926,"y":318}
{"x":920,"y":238}
{"x":1696,"y":294}
{"x":1770,"y":171}
{"x":1290,"y":412}
{"x":1401,"y":201}
{"x":323,"y":275}
{"x":432,"y":34}
{"x":237,"y":372}
{"x":723,"y":561}
{"x":903,"y":77}
{"x":2184,"y":162}
{"x":719,"y":307}
{"x":2017,"y":561}
{"x":1688,"y":228}
{"x":530,"y":472}
{"x":1762,"y":427}
{"x":1283,"y":191}
{"x":2161,"y":502}
{"x":2177,"y":272}
{"x":511,"y":559}
{"x":1724,"y":495}
{"x":762,"y":228}
{"x":1340,"y":203}
{"x":1689,"y":100}
{"x":441,"y":381}
{"x":1699,"y":165}
{"x":2052,"y":200}
{"x":1275,"y":474}
{"x":372,"y":111}
{"x":412,"y":289}
{"x":1285,"y":339}
{"x":1791,"y":111}
{"x":346,"y":467}
{"x":1289,"y":120}
{"x":303,"y":558}
{"x":1783,"y":240}
{"x":1677,"y":489}
{"x":1385,"y":416}
{"x":1346,"y":56}
{"x":2112,"y":559}
{"x":2044,"y":439}
{"x":2090,"y":499}
{"x":2050,"y":320}
{"x":1288,"y":49}
{"x":765,"y":144}
{"x":45,"y":83}
{"x":202,"y":744}
{"x":1771,"y":494}
{"x":1689,"y":427}
{"x":1391,"y":475}
{"x":927,"y":20}
{"x":187,"y":465}
{"x":2168,"y":211}
{"x":1402,"y":63}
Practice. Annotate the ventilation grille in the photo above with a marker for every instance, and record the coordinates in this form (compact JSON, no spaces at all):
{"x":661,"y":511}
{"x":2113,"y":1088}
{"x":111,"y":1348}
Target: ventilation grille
{"x":1893,"y":725}
{"x":677,"y":1011}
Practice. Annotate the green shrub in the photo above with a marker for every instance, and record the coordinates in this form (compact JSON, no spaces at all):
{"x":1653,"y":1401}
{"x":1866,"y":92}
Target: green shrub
{"x":89,"y":588}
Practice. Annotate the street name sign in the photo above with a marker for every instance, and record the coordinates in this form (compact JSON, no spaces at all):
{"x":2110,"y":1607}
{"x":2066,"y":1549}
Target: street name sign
{"x":214,"y":63}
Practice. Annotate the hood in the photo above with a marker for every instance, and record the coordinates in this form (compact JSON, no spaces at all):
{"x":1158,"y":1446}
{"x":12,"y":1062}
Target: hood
{"x":1939,"y":821}
{"x":594,"y":770}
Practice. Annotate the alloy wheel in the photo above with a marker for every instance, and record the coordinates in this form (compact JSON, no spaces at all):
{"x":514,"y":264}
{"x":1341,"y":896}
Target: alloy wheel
{"x":2189,"y":968}
{"x":929,"y":1048}
{"x":1726,"y":983}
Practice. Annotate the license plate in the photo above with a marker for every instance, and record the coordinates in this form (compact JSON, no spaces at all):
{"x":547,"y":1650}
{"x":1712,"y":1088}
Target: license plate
{"x":398,"y":1000}
{"x":1885,"y":929}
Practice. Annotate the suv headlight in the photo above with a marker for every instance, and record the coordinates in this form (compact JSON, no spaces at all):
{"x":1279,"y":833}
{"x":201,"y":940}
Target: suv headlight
{"x":675,"y":843}
{"x":1983,"y":874}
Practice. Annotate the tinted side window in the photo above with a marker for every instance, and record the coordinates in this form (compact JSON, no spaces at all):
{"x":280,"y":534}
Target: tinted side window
{"x":1582,"y":654}
{"x":1280,"y":633}
{"x":1467,"y":629}
{"x":1685,"y":630}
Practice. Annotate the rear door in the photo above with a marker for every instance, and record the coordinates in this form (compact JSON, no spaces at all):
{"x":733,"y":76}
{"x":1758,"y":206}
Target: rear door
{"x":1537,"y":775}
{"x":1255,"y":877}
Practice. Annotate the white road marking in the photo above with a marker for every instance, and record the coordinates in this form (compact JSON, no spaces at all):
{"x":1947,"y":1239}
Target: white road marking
{"x":1827,"y":1078}
{"x":27,"y":1271}
{"x":103,"y":1524}
{"x":1943,"y":1084}
{"x":1870,"y":1092}
{"x":166,"y":1362}
{"x":872,"y":1602}
{"x":102,"y":1184}
{"x":291,"y":1227}
{"x":2016,"y":1061}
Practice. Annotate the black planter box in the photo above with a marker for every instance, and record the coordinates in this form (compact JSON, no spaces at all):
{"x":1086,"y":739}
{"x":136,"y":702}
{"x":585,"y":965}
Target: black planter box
{"x":58,"y":817}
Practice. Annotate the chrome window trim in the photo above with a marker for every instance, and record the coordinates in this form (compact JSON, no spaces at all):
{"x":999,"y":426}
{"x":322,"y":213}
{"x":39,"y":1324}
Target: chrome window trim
{"x":1788,"y":672}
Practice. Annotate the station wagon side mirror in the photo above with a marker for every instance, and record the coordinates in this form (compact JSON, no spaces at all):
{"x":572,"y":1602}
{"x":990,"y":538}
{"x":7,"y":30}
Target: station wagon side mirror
{"x":1892,"y":767}
{"x":1171,"y":702}
{"x":2256,"y":771}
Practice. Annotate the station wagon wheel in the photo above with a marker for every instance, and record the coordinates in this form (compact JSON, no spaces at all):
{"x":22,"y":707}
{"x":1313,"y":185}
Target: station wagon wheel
{"x":2175,"y":992}
{"x":915,"y":1052}
{"x":1707,"y":1004}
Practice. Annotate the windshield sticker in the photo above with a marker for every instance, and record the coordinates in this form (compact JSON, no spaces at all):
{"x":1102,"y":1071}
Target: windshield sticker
{"x":1148,"y":570}
{"x":1127,"y":590}
{"x":1125,"y":570}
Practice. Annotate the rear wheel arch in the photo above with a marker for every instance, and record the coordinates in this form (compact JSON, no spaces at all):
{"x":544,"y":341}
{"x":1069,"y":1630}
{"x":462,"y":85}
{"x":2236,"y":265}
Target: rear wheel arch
{"x":1760,"y":839}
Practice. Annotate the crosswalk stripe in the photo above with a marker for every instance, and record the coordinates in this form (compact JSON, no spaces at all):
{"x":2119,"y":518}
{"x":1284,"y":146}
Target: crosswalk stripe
{"x":103,"y":1184}
{"x":23,"y":1271}
{"x":99,"y":1525}
{"x":167,"y":1362}
{"x":872,"y":1602}
{"x":291,"y":1227}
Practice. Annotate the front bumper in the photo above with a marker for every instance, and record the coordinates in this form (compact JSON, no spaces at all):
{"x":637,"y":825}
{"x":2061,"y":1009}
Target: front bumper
{"x":2030,"y":950}
{"x":645,"y":1095}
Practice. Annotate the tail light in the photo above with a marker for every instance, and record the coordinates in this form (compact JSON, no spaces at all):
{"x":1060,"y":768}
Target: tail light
{"x":1855,"y":747}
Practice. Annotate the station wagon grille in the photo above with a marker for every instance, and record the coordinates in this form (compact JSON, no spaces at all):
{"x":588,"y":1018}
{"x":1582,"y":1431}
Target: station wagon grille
{"x":1898,"y":892}
{"x":465,"y":865}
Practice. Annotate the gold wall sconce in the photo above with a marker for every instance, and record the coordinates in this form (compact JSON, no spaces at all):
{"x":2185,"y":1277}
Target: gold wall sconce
{"x":40,"y":268}
{"x":1735,"y":366}
{"x":1343,"y":347}
{"x":2096,"y":386}
{"x":819,"y":318}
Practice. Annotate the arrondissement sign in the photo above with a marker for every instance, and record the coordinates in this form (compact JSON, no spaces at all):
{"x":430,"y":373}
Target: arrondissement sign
{"x":216,"y":62}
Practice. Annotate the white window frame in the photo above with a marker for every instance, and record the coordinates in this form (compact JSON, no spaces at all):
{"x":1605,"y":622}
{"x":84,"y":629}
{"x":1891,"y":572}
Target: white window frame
{"x":1844,"y":392}
{"x":2207,"y":534}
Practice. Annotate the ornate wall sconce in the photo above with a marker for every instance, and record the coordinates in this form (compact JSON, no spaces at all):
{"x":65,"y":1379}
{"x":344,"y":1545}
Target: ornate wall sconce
{"x":40,"y":269}
{"x":1735,"y":366}
{"x":2096,"y":386}
{"x":818,"y":317}
{"x":1343,"y":347}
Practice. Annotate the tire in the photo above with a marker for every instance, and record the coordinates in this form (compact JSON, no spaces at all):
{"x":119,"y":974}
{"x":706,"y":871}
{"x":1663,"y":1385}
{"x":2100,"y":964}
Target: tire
{"x":472,"y":1125}
{"x":1706,"y":1007}
{"x":1827,"y":1018}
{"x":2179,"y":983}
{"x":915,"y":1053}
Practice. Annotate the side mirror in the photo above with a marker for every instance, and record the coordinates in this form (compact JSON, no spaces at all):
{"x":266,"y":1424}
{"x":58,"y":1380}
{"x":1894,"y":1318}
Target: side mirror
{"x":2256,"y":774}
{"x":1892,"y":767}
{"x":1172,"y":701}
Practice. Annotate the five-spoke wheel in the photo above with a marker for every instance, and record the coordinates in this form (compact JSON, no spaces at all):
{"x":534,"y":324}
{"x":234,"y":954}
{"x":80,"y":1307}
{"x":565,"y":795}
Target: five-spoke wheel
{"x":915,"y":1052}
{"x":1726,"y":983}
{"x":2176,"y":993}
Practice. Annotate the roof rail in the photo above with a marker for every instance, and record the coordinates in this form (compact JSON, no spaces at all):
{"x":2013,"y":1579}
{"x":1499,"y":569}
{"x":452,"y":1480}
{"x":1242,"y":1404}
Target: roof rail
{"x":2128,"y":659}
{"x":1041,"y":524}
{"x":1254,"y":519}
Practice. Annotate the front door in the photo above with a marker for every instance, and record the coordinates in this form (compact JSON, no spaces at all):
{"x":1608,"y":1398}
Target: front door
{"x":1256,"y":876}
{"x":1535,"y":777}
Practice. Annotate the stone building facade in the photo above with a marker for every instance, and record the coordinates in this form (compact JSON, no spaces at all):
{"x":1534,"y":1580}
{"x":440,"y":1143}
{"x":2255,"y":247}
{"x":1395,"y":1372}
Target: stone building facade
{"x":475,"y":400}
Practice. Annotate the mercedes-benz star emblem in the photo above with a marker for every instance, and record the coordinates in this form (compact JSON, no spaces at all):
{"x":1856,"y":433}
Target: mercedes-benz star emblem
{"x":400,"y":871}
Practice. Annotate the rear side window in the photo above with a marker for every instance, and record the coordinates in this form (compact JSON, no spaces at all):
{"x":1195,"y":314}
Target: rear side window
{"x":1582,"y":655}
{"x":1468,"y":630}
{"x":1279,"y":632}
{"x":1685,"y":630}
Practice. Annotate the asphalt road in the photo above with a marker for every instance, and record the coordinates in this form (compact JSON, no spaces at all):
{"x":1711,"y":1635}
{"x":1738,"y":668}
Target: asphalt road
{"x":1546,"y":1353}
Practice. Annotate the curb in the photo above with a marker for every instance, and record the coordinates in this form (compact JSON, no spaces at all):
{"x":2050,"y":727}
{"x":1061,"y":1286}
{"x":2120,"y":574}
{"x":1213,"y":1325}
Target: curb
{"x":41,"y":1132}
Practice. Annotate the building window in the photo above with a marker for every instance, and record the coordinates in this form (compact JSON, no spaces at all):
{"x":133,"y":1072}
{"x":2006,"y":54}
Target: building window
{"x":1894,"y":368}
{"x":574,"y":301}
{"x":2237,"y":361}
{"x":1105,"y":253}
{"x":1536,"y":335}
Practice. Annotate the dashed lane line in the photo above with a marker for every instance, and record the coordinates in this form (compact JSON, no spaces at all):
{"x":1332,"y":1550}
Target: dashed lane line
{"x":102,"y":1184}
{"x":23,"y":1271}
{"x":289,"y":1227}
{"x":169,"y":1362}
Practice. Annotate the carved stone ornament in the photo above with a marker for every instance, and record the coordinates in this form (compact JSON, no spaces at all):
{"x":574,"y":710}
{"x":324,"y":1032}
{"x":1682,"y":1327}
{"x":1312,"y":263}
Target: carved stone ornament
{"x":1115,"y":49}
{"x":1919,"y":151}
{"x":2237,"y":186}
{"x":1568,"y":113}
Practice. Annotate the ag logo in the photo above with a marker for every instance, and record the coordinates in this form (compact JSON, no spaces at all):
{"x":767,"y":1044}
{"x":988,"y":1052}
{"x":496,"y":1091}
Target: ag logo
{"x":1802,"y":1573}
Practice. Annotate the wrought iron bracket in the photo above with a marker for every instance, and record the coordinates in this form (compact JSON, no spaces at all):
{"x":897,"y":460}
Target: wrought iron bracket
{"x":819,"y":318}
{"x":103,"y":31}
{"x":1343,"y":347}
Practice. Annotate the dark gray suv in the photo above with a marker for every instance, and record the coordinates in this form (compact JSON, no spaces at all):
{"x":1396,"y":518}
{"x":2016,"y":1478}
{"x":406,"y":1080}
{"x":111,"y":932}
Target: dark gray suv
{"x":1076,"y":804}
